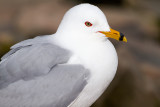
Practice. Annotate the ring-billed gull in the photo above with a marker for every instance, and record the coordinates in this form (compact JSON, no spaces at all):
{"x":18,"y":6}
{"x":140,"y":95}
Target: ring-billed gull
{"x":70,"y":68}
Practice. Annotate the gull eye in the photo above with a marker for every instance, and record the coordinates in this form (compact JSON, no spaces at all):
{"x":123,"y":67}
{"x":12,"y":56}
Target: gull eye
{"x":88,"y":24}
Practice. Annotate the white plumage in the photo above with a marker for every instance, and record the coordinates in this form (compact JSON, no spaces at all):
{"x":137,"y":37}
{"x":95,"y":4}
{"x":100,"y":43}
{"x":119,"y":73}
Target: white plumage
{"x":72,"y":67}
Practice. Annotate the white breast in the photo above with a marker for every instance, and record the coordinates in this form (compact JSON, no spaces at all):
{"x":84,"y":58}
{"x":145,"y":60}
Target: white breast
{"x":101,"y":60}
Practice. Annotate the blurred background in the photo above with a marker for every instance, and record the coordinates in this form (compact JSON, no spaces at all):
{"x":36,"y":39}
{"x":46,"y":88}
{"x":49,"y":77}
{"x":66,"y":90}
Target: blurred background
{"x":137,"y":82}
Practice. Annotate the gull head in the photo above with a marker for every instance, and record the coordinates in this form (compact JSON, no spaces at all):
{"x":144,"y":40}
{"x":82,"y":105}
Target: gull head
{"x":87,"y":21}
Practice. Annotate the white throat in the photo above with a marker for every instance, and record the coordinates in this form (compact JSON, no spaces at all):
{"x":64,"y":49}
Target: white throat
{"x":99,"y":56}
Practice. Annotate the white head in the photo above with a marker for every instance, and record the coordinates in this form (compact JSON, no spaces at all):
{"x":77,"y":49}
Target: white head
{"x":86,"y":21}
{"x":77,"y":16}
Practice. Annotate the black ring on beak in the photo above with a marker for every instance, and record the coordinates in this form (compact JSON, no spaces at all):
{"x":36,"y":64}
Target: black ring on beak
{"x":121,"y":37}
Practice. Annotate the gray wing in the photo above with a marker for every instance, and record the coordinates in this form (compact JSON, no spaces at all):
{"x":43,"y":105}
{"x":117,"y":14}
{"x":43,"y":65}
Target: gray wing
{"x":35,"y":74}
{"x":29,"y":59}
{"x":25,"y":43}
{"x":59,"y":88}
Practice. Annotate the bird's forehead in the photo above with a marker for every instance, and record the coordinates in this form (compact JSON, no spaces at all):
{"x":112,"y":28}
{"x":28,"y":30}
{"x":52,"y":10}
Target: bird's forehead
{"x":86,"y":11}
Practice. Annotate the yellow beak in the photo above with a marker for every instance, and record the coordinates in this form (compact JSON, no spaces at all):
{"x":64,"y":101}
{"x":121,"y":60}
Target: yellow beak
{"x":115,"y":35}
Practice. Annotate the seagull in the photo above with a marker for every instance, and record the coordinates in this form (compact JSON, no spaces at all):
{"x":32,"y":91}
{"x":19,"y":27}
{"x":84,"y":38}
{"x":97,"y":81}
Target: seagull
{"x":71,"y":68}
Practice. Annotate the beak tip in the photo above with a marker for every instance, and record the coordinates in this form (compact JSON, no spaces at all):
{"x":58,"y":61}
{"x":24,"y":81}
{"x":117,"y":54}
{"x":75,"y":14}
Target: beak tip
{"x":124,"y":39}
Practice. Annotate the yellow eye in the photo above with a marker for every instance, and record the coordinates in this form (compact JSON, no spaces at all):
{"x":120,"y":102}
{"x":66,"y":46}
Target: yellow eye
{"x":88,"y":24}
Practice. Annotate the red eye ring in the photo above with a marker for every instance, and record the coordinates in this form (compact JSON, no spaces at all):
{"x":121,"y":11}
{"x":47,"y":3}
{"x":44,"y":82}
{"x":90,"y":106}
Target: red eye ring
{"x":88,"y":24}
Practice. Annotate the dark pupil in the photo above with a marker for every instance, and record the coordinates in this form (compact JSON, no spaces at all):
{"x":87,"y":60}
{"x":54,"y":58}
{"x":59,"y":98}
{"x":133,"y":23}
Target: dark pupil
{"x":88,"y":24}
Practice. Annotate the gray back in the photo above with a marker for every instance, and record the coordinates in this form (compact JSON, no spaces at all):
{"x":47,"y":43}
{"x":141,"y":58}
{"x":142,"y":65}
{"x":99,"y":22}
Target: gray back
{"x":35,"y":73}
{"x":29,"y":59}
